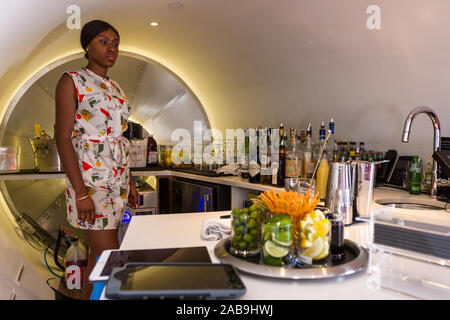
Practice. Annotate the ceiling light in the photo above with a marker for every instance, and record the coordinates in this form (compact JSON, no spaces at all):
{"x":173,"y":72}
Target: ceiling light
{"x":175,"y":5}
{"x":154,"y":24}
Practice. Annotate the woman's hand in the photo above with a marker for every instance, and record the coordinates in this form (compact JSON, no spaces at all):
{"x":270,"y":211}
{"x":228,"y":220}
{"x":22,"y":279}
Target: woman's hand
{"x":86,"y":210}
{"x":133,"y":197}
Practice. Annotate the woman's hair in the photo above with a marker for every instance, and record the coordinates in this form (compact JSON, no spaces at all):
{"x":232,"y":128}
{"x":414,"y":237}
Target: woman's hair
{"x":91,"y":30}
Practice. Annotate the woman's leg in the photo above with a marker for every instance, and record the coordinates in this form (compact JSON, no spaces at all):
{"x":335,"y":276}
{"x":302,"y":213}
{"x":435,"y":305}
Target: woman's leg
{"x":98,"y":241}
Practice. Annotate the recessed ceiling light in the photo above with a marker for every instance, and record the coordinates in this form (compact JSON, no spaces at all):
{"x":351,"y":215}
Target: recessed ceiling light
{"x":154,"y":24}
{"x":175,"y":5}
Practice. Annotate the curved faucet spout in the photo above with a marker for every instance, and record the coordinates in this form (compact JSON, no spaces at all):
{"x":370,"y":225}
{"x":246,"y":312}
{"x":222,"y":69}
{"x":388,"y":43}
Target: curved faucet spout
{"x":436,"y":137}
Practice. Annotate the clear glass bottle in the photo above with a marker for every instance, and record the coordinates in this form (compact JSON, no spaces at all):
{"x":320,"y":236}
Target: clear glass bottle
{"x":293,"y":167}
{"x":308,"y":155}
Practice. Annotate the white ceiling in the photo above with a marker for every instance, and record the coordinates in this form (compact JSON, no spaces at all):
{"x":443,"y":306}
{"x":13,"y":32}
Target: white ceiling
{"x":257,"y":62}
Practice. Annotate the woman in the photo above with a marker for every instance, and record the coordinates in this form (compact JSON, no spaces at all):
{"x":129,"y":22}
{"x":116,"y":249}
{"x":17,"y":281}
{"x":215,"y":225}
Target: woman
{"x":91,"y":115}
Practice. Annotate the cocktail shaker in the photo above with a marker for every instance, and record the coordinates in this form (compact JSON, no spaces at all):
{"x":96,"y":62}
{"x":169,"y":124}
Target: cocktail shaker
{"x":340,"y":190}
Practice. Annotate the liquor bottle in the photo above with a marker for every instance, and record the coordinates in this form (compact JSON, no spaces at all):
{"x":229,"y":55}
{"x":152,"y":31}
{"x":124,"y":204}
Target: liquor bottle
{"x":414,"y":176}
{"x":308,"y":155}
{"x":282,"y":163}
{"x":321,"y":140}
{"x":293,"y":167}
{"x":322,"y":175}
{"x":332,"y":146}
{"x":244,"y":166}
{"x":266,"y":176}
{"x":254,"y":165}
{"x":152,"y":152}
{"x":302,"y":136}
{"x":281,"y":131}
{"x":352,"y":151}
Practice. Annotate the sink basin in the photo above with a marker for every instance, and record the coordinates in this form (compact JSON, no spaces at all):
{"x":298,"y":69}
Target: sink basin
{"x":413,"y":203}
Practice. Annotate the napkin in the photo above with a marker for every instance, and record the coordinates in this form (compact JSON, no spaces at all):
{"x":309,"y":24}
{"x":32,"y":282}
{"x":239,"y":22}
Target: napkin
{"x":215,"y":229}
{"x":233,"y":168}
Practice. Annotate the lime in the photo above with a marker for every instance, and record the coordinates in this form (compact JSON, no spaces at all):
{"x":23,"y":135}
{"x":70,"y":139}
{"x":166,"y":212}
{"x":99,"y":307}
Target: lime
{"x":241,"y":229}
{"x":253,"y":244}
{"x":251,"y":224}
{"x":242,"y":245}
{"x":275,"y":250}
{"x":269,"y":228}
{"x":244,"y":217}
{"x":271,"y":261}
{"x":283,"y":238}
{"x":236,"y":223}
{"x":248,"y":238}
{"x":244,"y":211}
{"x":279,"y":217}
{"x":253,"y":232}
{"x":254,"y":214}
{"x":237,"y":237}
{"x":236,"y":211}
{"x":253,"y":207}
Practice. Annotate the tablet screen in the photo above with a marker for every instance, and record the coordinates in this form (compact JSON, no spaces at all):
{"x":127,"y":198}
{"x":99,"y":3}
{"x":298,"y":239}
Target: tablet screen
{"x":120,"y":258}
{"x":180,"y":277}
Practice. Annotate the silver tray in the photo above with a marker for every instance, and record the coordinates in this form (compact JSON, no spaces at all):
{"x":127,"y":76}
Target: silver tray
{"x":356,"y":259}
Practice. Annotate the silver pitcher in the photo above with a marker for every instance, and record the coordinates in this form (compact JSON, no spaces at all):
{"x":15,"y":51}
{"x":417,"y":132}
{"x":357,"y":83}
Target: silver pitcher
{"x":46,"y":157}
{"x":340,"y":190}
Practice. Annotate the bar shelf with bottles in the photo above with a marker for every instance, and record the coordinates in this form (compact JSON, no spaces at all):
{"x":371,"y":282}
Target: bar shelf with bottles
{"x":299,"y":154}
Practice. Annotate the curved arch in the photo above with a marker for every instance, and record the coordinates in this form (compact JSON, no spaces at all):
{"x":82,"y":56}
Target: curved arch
{"x":71,"y":57}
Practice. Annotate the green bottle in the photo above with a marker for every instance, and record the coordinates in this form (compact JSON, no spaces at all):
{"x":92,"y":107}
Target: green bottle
{"x":414,"y":176}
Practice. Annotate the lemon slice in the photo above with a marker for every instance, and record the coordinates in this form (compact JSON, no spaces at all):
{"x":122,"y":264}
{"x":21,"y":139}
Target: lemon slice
{"x":322,"y":228}
{"x":316,"y":248}
{"x":304,"y":243}
{"x":317,"y":215}
{"x":324,"y":253}
{"x":274,"y":250}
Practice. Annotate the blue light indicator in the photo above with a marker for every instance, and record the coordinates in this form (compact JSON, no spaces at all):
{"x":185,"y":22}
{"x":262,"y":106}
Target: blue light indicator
{"x":126,"y":217}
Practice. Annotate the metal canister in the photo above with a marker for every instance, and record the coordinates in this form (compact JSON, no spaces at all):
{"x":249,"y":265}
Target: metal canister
{"x":340,"y":191}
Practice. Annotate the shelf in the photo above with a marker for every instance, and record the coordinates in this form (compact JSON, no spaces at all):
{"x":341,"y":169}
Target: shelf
{"x":233,"y":181}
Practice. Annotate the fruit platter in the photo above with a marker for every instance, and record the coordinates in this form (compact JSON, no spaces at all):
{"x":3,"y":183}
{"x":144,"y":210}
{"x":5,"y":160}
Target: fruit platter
{"x":287,"y":235}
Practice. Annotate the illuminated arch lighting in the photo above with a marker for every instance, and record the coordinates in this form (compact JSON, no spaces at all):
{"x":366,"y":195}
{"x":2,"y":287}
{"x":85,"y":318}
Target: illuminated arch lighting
{"x":128,"y":51}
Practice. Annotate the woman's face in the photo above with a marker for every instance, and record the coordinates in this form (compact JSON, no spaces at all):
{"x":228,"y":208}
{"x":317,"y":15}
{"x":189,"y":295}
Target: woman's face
{"x":104,"y":48}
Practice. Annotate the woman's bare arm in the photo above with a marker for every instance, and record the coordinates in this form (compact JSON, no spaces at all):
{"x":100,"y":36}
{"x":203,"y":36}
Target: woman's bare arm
{"x":66,"y":103}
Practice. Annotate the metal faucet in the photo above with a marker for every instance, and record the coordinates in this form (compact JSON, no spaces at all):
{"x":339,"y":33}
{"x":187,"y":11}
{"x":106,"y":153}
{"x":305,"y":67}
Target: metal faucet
{"x":436,"y":142}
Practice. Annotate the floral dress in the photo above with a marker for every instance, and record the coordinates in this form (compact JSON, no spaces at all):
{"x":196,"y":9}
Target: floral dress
{"x":102,"y":151}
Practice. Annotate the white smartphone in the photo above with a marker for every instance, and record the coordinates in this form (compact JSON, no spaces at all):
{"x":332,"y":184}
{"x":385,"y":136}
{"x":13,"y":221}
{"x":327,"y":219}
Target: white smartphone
{"x":118,"y":258}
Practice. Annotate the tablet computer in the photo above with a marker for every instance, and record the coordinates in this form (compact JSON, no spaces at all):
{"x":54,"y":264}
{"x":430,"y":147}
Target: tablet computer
{"x":174,"y":281}
{"x":118,"y":258}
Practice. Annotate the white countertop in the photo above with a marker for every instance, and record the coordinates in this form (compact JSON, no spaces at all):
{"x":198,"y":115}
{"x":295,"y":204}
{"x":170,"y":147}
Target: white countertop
{"x":183,"y":230}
